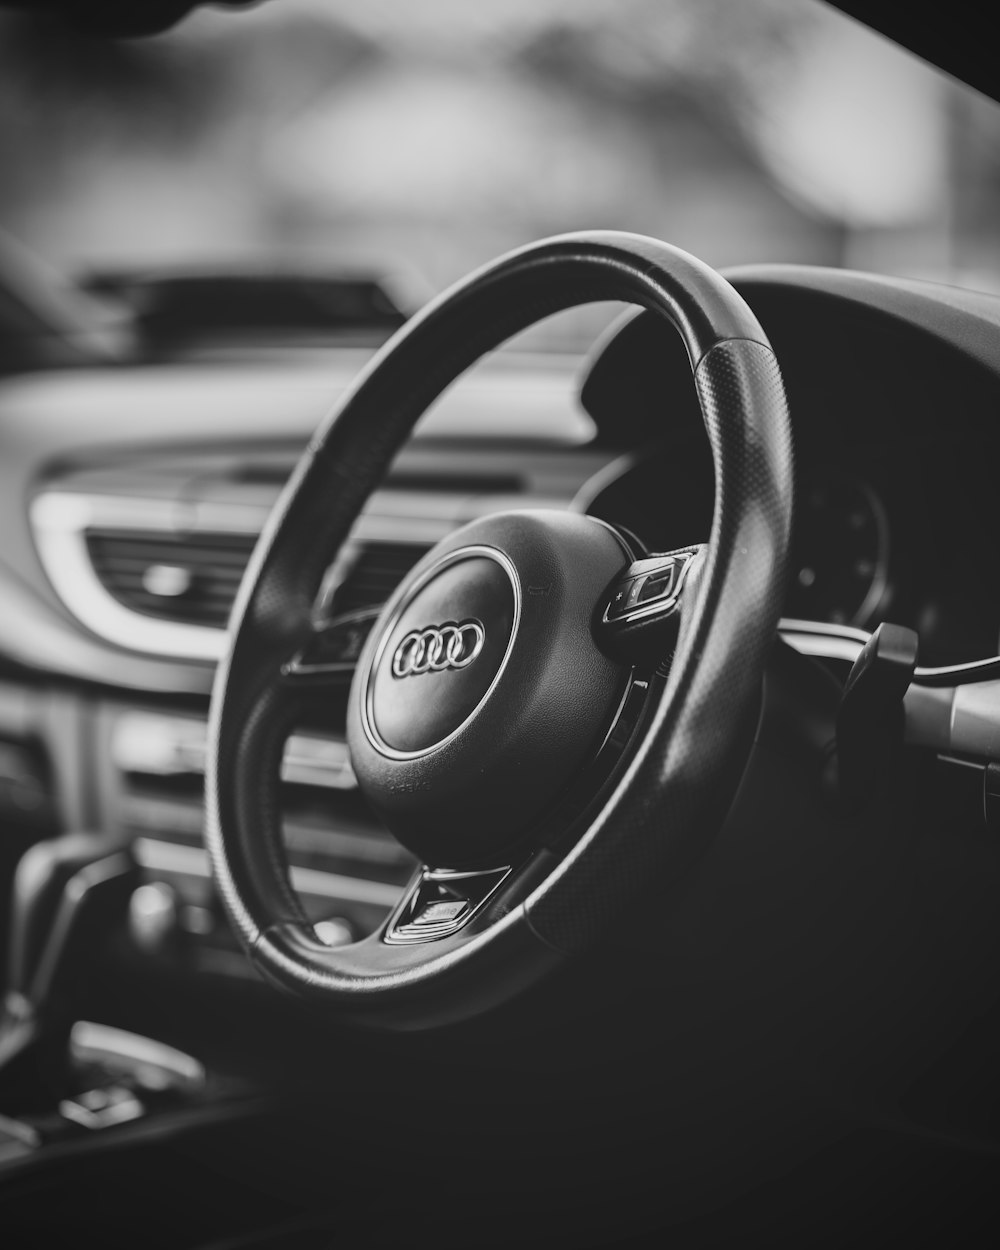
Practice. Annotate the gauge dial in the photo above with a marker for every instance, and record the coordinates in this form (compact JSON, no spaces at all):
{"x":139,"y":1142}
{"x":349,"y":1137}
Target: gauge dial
{"x":840,"y":553}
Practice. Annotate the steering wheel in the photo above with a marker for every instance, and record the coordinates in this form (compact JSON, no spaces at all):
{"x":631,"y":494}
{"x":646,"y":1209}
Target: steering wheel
{"x":554,"y":722}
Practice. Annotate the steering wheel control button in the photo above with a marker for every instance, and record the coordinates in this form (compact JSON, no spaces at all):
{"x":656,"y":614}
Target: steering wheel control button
{"x":641,"y":614}
{"x":619,"y":602}
{"x":657,"y":585}
{"x":445,"y":912}
{"x":479,"y":702}
{"x":655,"y":580}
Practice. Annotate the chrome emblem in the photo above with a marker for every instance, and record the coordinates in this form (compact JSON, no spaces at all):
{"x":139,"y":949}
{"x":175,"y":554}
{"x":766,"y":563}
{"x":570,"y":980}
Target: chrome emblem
{"x":437,"y":648}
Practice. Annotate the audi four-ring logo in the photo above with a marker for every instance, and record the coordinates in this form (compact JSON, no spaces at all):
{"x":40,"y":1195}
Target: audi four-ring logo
{"x":438,"y":647}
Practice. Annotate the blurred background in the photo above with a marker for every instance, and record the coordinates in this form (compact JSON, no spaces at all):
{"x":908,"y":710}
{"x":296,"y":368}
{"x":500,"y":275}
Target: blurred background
{"x":421,"y":140}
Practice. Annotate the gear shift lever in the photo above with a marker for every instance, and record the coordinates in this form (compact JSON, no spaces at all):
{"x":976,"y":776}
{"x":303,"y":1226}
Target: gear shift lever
{"x":68,"y":893}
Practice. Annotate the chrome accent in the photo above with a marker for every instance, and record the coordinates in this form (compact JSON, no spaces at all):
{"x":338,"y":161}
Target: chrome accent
{"x":165,"y":746}
{"x":60,"y":521}
{"x":395,"y":609}
{"x":438,"y":648}
{"x":826,"y":642}
{"x":17,"y":1138}
{"x":410,"y":932}
{"x":167,"y":581}
{"x":962,"y":720}
{"x":153,"y":915}
{"x":634,"y":686}
{"x":192,"y":861}
{"x":845,"y":642}
{"x":956,"y":760}
{"x":321,"y":762}
{"x":102,"y":1107}
{"x":334,"y":931}
{"x":103,"y":1044}
{"x":959,"y":674}
{"x":953,"y":710}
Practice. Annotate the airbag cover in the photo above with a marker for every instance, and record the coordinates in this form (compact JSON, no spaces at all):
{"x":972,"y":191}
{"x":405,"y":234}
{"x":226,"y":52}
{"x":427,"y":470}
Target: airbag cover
{"x":443,"y":655}
{"x":482,"y":696}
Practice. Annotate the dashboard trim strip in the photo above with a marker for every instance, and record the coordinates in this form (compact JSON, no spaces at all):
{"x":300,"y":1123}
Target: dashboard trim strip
{"x":192,"y":861}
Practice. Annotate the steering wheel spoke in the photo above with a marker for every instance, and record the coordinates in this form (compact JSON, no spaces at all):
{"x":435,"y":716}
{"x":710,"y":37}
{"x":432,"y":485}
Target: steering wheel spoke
{"x":639,"y":618}
{"x":440,"y":902}
{"x":330,"y":654}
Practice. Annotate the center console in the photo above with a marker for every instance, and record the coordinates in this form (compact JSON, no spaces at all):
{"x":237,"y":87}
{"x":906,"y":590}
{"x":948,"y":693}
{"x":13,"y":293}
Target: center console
{"x":148,"y":556}
{"x":348,"y":871}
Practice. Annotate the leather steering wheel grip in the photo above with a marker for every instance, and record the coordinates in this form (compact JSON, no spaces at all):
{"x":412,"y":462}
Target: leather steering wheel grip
{"x":684,"y":775}
{"x":681,"y":778}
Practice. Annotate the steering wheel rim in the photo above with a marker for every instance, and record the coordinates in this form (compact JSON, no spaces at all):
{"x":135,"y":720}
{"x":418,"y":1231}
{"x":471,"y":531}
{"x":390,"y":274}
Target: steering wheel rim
{"x":697,"y":737}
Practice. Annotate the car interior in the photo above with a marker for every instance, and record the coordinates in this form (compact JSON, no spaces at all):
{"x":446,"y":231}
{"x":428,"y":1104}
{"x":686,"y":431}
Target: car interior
{"x":510,"y":759}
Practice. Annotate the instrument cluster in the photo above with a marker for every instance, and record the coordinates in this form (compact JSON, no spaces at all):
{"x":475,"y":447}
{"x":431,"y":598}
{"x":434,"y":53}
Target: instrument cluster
{"x":840,"y":553}
{"x":840,"y":570}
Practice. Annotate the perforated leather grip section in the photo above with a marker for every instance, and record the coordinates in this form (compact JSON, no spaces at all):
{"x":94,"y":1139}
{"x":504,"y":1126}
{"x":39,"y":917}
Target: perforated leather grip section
{"x":679,"y":784}
{"x":683,"y":778}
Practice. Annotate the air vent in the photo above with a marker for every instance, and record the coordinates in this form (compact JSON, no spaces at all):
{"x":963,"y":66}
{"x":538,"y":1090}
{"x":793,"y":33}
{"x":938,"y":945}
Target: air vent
{"x":193,"y":578}
{"x":125,"y":570}
{"x":376,"y":573}
{"x":190,"y":578}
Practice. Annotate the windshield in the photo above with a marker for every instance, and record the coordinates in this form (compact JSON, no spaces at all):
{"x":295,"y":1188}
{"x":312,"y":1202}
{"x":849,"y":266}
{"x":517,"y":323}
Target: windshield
{"x":416,"y":142}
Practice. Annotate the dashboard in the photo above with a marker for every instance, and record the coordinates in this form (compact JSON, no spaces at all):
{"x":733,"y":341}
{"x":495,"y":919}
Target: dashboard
{"x":892,"y":386}
{"x":131,"y":498}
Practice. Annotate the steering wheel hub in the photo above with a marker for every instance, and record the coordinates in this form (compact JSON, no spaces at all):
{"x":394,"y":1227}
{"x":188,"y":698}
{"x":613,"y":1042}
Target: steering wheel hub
{"x":442,"y":652}
{"x":482,"y":692}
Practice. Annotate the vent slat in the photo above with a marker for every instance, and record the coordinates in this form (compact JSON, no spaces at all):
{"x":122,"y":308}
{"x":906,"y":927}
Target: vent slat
{"x":172,"y":555}
{"x":141,"y":559}
{"x":216,"y":563}
{"x":377,"y":573}
{"x":136,"y":572}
